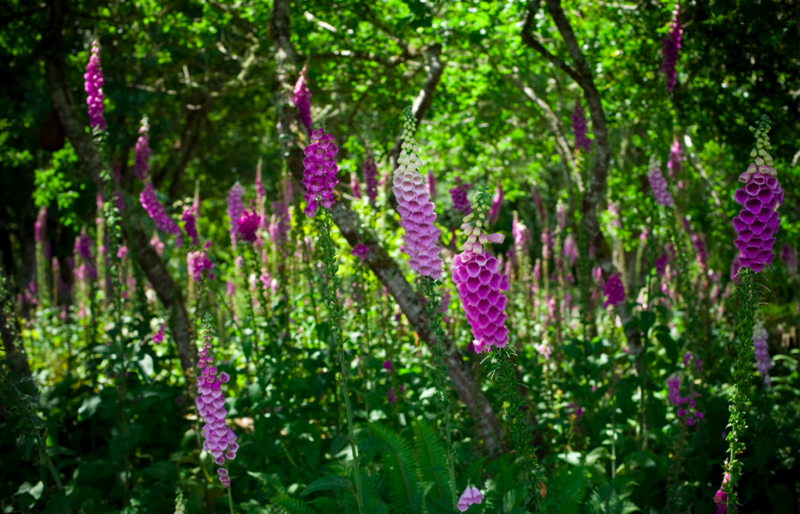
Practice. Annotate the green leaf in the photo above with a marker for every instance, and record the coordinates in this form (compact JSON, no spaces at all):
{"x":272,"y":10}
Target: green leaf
{"x":327,"y":483}
{"x":58,"y":504}
{"x":146,"y":365}
{"x":782,"y":499}
{"x":763,"y":453}
{"x":89,"y":407}
{"x":338,"y":443}
{"x":646,"y":320}
{"x":669,"y":344}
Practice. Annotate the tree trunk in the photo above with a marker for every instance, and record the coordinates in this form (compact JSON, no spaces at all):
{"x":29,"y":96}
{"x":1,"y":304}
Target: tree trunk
{"x":383,"y":266}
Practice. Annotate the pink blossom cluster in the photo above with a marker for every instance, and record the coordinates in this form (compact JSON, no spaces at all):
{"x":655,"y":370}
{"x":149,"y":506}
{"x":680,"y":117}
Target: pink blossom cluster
{"x":613,"y":290}
{"x":360,"y":250}
{"x":520,"y":233}
{"x":580,"y":128}
{"x":479,"y":284}
{"x":355,"y":186}
{"x":371,"y":176}
{"x":459,"y":196}
{"x":671,"y":45}
{"x":247,"y":226}
{"x":430,"y":183}
{"x":159,"y":336}
{"x":761,"y":351}
{"x":83,"y":247}
{"x":661,"y":265}
{"x":93,"y":86}
{"x":659,"y":186}
{"x":141,"y":160}
{"x":319,"y":178}
{"x":416,"y":211}
{"x":757,"y":224}
{"x":470,"y":496}
{"x":197,"y":263}
{"x":220,"y":441}
{"x":302,"y":99}
{"x":190,"y":224}
{"x":156,"y":212}
{"x":235,"y":207}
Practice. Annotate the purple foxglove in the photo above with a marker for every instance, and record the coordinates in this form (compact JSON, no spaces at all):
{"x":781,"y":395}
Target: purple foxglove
{"x":671,"y":45}
{"x":141,"y":161}
{"x":371,"y":176}
{"x":497,"y":201}
{"x":197,"y":263}
{"x":360,"y":250}
{"x":302,"y":99}
{"x":190,"y":224}
{"x":580,"y":128}
{"x":614,"y":291}
{"x":430,"y":183}
{"x":93,"y":86}
{"x":757,"y":224}
{"x":416,"y":209}
{"x":248,"y":224}
{"x":235,"y":207}
{"x":761,"y":350}
{"x":156,"y":212}
{"x":459,"y":197}
{"x":659,"y":186}
{"x":355,"y":187}
{"x":319,"y":177}
{"x":219,"y":440}
{"x":470,"y":496}
{"x":675,"y":157}
{"x":40,"y":224}
{"x":789,"y":258}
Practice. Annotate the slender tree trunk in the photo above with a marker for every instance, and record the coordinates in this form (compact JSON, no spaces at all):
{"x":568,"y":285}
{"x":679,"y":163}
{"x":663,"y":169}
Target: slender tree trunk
{"x":349,"y":224}
{"x":92,"y":162}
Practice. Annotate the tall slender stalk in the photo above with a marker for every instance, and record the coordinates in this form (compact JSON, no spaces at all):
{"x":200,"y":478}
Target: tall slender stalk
{"x":436,"y":322}
{"x":329,"y":288}
{"x":742,"y":371}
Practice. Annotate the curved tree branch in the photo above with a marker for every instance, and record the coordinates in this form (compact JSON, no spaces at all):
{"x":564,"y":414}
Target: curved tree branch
{"x":596,"y":182}
{"x":92,"y":162}
{"x":383,"y":266}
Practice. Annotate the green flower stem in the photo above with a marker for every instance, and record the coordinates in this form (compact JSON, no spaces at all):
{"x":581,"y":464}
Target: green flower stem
{"x":436,"y":322}
{"x":742,"y":371}
{"x":230,"y":499}
{"x":505,"y":373}
{"x":334,"y":304}
{"x":251,"y":312}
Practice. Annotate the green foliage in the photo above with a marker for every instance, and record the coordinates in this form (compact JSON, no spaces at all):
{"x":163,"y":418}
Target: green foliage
{"x":567,"y":492}
{"x":431,"y":461}
{"x":400,"y":471}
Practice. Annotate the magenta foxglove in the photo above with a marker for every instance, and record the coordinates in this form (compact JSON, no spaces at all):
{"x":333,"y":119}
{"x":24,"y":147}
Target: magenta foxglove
{"x":319,"y":178}
{"x":93,"y":86}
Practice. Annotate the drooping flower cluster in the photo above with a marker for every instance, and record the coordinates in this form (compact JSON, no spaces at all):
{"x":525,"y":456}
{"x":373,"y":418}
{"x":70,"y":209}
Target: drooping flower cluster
{"x":371,"y":176}
{"x":416,"y":209}
{"x":360,"y":250}
{"x":494,"y":209}
{"x":470,"y":496}
{"x":580,"y":128}
{"x":220,"y":441}
{"x":190,"y":224}
{"x":761,"y":350}
{"x":459,"y":197}
{"x":675,"y":157}
{"x":83,"y":247}
{"x":671,"y":46}
{"x":197,"y":263}
{"x":247,"y":226}
{"x":479,"y":283}
{"x":355,"y":186}
{"x":93,"y":85}
{"x":659,"y":186}
{"x":141,"y":161}
{"x":281,"y":221}
{"x":302,"y":99}
{"x":757,"y":224}
{"x":520,"y":233}
{"x":319,"y":178}
{"x":40,"y":224}
{"x":661,"y":265}
{"x":613,"y":290}
{"x":157,"y":213}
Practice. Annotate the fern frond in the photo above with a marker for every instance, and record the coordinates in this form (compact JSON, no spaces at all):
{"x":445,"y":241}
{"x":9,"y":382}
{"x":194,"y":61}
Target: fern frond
{"x":431,"y":460}
{"x":567,"y":491}
{"x":606,"y":500}
{"x":289,"y":505}
{"x":404,"y":488}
